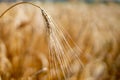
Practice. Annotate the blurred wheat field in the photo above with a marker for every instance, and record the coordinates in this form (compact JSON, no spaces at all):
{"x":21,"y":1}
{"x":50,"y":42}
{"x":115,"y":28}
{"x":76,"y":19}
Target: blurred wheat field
{"x":95,"y":28}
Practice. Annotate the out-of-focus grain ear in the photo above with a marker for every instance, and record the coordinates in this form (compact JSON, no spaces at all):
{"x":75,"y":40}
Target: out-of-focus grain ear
{"x":95,"y":70}
{"x":5,"y":65}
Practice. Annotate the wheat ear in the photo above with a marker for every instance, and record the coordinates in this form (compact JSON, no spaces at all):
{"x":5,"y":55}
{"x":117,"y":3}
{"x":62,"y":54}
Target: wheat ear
{"x":64,"y":56}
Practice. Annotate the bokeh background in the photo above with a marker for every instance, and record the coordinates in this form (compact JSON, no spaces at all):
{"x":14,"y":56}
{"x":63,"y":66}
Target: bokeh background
{"x":89,"y":1}
{"x":93,"y":25}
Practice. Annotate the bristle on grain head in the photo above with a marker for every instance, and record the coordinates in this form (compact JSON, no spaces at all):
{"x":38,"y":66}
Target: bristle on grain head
{"x":64,"y":54}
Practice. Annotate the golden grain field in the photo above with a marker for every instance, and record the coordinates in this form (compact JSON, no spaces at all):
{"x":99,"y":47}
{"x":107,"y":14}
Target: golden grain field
{"x":78,"y":42}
